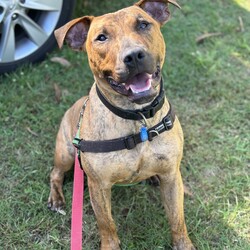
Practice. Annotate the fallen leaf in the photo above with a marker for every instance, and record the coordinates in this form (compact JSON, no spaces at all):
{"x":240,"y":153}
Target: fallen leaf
{"x":242,"y":29}
{"x":58,"y":93}
{"x":32,"y":132}
{"x":205,"y":36}
{"x":187,"y":191}
{"x":61,"y":211}
{"x":61,"y":61}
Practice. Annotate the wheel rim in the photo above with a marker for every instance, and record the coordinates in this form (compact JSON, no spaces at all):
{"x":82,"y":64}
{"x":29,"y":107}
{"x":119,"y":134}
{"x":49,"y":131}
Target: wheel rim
{"x":25,"y":25}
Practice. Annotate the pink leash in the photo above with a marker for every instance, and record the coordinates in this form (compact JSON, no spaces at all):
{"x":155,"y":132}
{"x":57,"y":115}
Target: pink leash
{"x":78,"y":192}
{"x":77,"y":206}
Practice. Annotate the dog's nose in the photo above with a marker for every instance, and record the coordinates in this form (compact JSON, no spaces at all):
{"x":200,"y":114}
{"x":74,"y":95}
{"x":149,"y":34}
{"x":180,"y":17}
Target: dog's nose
{"x":134,"y":57}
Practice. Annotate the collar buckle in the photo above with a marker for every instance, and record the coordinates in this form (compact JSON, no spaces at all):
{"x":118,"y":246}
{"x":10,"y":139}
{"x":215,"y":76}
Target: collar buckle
{"x":130,"y":142}
{"x":149,"y":112}
{"x":168,"y":123}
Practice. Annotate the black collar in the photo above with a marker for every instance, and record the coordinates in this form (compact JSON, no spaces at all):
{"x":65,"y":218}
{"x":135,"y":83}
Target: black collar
{"x":148,"y":111}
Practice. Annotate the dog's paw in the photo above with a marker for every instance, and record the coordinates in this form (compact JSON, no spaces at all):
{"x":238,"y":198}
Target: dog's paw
{"x":183,"y":244}
{"x":56,"y":205}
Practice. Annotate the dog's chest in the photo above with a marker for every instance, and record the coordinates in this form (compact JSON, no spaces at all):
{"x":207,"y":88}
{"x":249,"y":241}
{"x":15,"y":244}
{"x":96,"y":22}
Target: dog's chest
{"x":128,"y":166}
{"x":124,"y":166}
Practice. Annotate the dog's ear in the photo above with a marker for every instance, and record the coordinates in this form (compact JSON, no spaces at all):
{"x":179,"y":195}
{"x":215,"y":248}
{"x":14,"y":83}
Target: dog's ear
{"x":74,"y":33}
{"x":158,"y":9}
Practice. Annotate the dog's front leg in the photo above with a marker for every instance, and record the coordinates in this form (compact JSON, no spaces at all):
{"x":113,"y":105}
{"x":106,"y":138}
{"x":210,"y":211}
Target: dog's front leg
{"x":101,"y":202}
{"x":63,"y":162}
{"x":172,"y":194}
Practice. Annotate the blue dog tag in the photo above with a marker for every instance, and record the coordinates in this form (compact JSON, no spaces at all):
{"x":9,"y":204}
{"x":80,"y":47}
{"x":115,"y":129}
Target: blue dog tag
{"x":144,"y":134}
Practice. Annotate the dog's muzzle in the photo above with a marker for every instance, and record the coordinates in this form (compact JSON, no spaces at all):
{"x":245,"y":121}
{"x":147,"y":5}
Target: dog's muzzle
{"x":141,"y":88}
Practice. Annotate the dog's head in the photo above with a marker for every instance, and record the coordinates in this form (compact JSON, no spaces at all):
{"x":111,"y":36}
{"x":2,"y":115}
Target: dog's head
{"x":125,"y":49}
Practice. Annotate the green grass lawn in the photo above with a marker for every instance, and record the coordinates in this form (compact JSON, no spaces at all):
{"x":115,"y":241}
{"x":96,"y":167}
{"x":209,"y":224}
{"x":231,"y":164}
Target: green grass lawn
{"x":208,"y":84}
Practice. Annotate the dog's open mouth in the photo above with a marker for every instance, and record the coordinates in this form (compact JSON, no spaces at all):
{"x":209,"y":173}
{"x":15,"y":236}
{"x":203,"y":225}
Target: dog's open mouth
{"x":140,"y":89}
{"x":139,"y":83}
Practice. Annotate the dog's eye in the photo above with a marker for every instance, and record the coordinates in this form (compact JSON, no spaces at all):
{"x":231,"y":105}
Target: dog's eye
{"x":101,"y":38}
{"x":143,"y":25}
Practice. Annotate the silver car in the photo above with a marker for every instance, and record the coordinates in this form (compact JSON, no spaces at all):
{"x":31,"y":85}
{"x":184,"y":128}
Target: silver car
{"x":26,"y":29}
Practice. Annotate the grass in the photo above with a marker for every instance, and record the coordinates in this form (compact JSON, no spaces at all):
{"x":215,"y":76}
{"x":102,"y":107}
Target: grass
{"x":208,"y":84}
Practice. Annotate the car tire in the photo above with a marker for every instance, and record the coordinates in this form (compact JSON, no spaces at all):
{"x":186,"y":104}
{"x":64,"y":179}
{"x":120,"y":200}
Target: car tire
{"x":26,"y":30}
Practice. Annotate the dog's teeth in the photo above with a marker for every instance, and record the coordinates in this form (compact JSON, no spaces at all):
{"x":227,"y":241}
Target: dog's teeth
{"x":126,"y":86}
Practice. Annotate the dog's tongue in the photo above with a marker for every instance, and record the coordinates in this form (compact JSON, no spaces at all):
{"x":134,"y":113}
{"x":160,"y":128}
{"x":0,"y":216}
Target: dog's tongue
{"x":139,"y":83}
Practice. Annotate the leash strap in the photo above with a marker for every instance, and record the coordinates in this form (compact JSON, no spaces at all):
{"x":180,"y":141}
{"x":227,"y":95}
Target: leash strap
{"x":78,"y":192}
{"x":127,"y":142}
{"x":77,"y":204}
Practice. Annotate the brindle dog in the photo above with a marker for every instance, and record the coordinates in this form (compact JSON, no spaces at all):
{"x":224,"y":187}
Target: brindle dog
{"x":126,"y":52}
